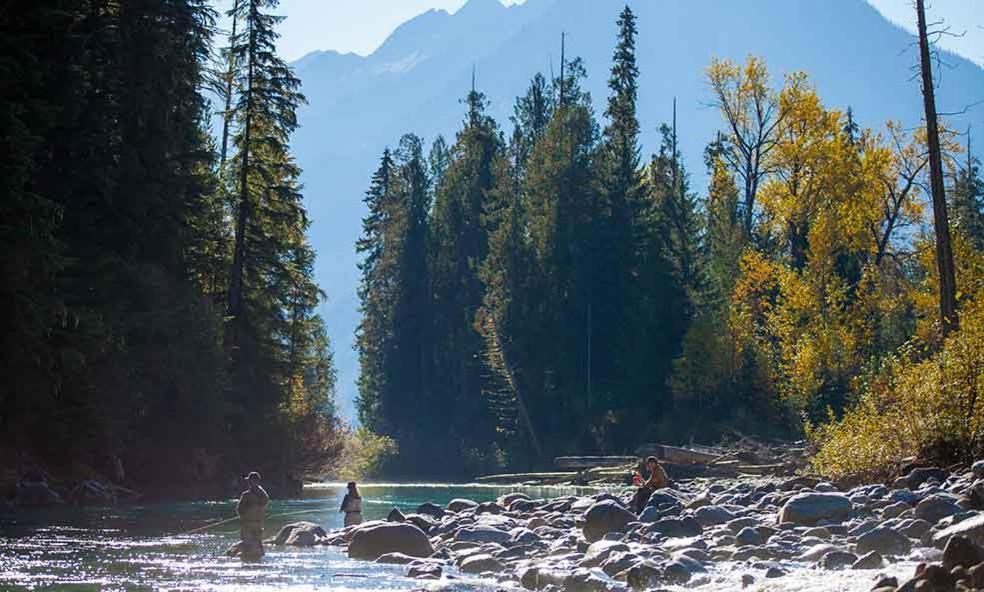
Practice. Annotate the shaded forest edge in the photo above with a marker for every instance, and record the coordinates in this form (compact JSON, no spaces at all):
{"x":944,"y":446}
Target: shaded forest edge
{"x":596,"y":301}
{"x":158,"y":303}
{"x":527,"y":294}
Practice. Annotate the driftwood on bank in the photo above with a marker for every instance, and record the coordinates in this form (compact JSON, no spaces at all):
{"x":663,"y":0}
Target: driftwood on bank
{"x":741,"y":456}
{"x":589,"y":462}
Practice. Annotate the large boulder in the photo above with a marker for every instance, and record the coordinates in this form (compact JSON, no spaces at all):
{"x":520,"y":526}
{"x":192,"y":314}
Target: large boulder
{"x":713,"y":515}
{"x":920,"y":475}
{"x":396,"y":559}
{"x":810,"y":508}
{"x":972,"y":528}
{"x":884,"y":540}
{"x":677,"y":527}
{"x":376,"y":540}
{"x":460,"y":505}
{"x":483,"y":534}
{"x":937,"y":507}
{"x":431,"y":509}
{"x":300,"y":534}
{"x":837,"y":560}
{"x":480,"y":562}
{"x":961,"y":551}
{"x":599,"y":552}
{"x":425,"y":570}
{"x":604,"y":517}
{"x":507,"y":500}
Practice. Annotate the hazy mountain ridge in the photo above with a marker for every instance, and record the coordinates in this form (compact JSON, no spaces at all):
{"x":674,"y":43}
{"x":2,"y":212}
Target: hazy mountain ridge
{"x":413,"y":82}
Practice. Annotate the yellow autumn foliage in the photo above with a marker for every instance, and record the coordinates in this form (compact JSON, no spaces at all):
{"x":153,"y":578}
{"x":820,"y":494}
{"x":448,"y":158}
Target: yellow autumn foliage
{"x":916,"y":407}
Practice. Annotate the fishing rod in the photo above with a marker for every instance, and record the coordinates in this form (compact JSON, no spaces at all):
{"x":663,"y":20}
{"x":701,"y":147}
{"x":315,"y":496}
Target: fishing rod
{"x":229,"y":520}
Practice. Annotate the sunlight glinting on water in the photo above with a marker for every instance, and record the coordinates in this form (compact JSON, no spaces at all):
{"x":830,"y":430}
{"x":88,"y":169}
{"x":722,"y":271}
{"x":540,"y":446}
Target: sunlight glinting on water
{"x":137,"y":546}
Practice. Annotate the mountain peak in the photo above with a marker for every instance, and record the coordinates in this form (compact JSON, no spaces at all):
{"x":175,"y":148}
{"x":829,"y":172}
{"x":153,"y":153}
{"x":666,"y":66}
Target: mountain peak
{"x":480,"y":8}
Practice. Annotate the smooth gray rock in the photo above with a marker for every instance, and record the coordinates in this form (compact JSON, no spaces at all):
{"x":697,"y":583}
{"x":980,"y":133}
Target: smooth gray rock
{"x":885,"y":540}
{"x":300,"y":534}
{"x":972,"y":528}
{"x":425,"y":570}
{"x":604,"y":517}
{"x":810,"y":508}
{"x":677,"y":527}
{"x":936,"y":507}
{"x":904,"y":495}
{"x":460,"y":505}
{"x":920,"y":475}
{"x":713,"y":515}
{"x":396,"y":559}
{"x":650,"y":514}
{"x":749,"y":536}
{"x":893,"y":510}
{"x":961,"y":551}
{"x":837,"y":560}
{"x":376,"y":540}
{"x":479,"y":563}
{"x":872,"y":560}
{"x":482,"y":534}
{"x":430,"y":509}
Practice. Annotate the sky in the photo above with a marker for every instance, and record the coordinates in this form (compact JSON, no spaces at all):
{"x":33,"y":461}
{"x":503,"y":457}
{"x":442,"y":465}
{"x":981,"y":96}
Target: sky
{"x":360,"y":26}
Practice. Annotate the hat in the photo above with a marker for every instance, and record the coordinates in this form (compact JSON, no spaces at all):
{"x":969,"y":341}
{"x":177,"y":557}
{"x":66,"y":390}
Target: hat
{"x":252,"y":476}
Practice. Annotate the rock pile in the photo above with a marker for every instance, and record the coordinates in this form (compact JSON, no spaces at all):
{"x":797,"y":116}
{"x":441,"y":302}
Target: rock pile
{"x":763,"y":528}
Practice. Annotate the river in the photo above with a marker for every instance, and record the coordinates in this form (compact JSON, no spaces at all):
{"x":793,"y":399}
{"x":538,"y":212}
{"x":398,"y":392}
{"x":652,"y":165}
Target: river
{"x":147,"y":546}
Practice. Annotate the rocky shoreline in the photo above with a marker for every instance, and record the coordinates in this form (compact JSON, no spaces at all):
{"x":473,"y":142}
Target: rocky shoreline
{"x":929,"y":521}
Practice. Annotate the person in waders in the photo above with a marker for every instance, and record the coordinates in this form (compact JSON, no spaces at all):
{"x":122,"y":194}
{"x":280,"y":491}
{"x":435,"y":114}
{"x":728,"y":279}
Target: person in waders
{"x":252,"y":511}
{"x":352,"y":505}
{"x":657,"y":480}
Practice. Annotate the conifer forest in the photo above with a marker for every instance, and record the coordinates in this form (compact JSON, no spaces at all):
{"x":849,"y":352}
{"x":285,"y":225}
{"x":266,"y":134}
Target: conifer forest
{"x":529,"y":288}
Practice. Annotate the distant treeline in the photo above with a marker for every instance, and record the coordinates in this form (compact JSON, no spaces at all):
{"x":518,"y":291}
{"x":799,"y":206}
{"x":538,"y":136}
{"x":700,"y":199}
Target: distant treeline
{"x":550,"y":291}
{"x":157,"y":302}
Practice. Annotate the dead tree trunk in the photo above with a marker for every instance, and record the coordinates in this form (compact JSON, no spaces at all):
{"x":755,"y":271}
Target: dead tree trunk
{"x":944,"y":249}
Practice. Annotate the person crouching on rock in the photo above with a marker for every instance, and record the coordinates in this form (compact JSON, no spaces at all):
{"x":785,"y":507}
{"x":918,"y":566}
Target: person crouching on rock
{"x":657,"y":480}
{"x":252,"y":511}
{"x":352,"y":505}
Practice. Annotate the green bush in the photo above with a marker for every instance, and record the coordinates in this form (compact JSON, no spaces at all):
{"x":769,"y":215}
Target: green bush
{"x":363,"y":454}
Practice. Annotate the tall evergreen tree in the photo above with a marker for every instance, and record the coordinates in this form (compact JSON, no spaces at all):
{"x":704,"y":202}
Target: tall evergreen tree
{"x":458,"y":247}
{"x":274,"y":338}
{"x":375,"y":297}
{"x":967,"y":201}
{"x":393,"y":338}
{"x":675,"y":215}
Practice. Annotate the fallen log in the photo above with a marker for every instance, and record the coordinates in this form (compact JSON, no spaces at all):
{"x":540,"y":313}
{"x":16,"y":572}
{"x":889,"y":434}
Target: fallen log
{"x":775,"y":469}
{"x":521,"y":477}
{"x":674,"y":454}
{"x":590,"y":462}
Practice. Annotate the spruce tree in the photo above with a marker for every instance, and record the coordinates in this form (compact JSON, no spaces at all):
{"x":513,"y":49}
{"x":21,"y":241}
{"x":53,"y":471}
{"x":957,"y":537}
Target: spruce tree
{"x":967,"y":202}
{"x":274,"y":338}
{"x":374,"y":296}
{"x":458,"y":247}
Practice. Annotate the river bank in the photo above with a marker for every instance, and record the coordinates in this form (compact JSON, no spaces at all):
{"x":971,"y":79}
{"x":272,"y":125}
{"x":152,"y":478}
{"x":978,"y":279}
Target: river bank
{"x":768,"y":534}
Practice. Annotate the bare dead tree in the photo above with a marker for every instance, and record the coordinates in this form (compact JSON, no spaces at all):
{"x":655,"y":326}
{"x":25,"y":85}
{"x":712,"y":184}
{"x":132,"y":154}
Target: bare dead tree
{"x":944,"y":249}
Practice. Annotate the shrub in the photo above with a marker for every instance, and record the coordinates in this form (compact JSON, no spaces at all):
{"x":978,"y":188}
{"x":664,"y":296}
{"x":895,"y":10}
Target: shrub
{"x":926,"y":407}
{"x":364,"y":454}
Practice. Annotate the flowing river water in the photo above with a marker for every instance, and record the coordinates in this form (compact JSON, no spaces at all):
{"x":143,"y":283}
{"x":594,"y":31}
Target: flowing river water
{"x":148,"y":547}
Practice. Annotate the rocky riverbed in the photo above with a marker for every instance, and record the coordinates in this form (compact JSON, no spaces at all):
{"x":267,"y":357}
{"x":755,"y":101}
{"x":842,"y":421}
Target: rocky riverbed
{"x":922,"y":532}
